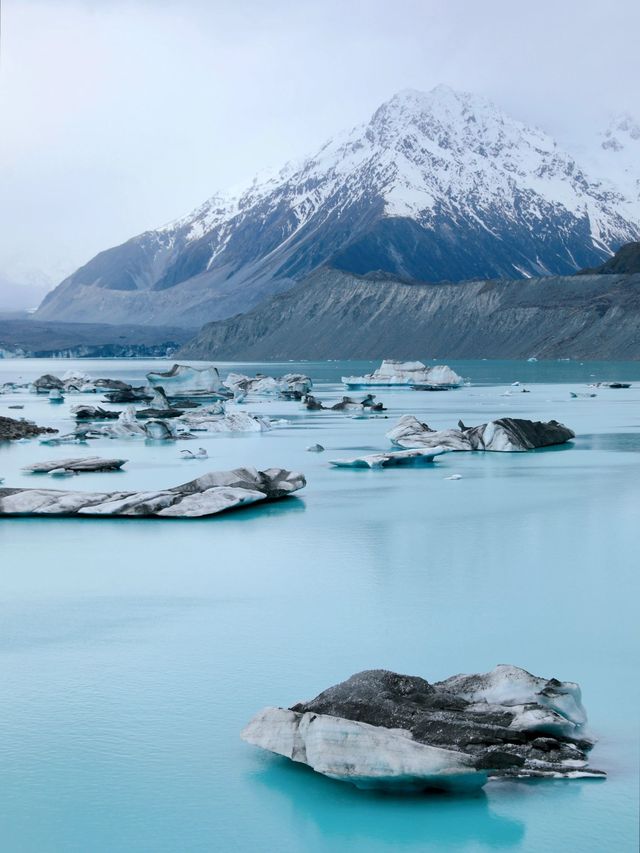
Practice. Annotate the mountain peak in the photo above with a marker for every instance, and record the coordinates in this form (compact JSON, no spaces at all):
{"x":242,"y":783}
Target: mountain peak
{"x":442,"y":101}
{"x":437,"y":185}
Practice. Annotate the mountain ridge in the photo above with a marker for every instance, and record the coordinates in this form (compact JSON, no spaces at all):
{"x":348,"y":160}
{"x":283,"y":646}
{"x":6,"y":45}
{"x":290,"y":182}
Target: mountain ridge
{"x":439,"y":185}
{"x":334,"y":314}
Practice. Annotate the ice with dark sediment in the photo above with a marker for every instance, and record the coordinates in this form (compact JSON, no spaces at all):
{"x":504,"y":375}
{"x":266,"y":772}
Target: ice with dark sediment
{"x":218,"y":419}
{"x":504,"y":434}
{"x":396,"y":732}
{"x":296,"y":384}
{"x":207,"y":495}
{"x":346,"y":404}
{"x":76,"y":465}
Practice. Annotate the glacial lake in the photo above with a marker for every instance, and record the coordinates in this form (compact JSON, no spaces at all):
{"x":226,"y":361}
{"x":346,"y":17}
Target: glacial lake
{"x":132,"y":652}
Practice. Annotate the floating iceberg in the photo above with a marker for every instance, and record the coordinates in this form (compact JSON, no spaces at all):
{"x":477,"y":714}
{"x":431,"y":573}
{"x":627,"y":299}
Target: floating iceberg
{"x":216,"y":419}
{"x":76,"y":465}
{"x":294,"y":384}
{"x":207,"y":495}
{"x":346,"y":404}
{"x":390,"y":458}
{"x":47,"y":382}
{"x":396,"y":732}
{"x":407,"y":373}
{"x":504,"y":434}
{"x":128,"y":426}
{"x":183,"y":380}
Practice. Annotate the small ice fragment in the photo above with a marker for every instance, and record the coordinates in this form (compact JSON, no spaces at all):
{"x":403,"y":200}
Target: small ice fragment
{"x":315,"y":448}
{"x":454,"y":477}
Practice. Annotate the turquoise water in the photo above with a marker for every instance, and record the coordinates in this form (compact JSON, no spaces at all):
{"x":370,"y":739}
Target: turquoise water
{"x":133,"y":652}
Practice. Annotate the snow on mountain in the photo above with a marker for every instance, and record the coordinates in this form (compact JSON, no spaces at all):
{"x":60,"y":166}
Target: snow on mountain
{"x":436,"y":186}
{"x":618,"y":155}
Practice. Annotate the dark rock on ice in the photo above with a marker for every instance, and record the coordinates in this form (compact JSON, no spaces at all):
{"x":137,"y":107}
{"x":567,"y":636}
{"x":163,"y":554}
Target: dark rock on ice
{"x":379,"y":729}
{"x":129,"y":395}
{"x":503,"y":434}
{"x":112,"y":384}
{"x":83,"y":412}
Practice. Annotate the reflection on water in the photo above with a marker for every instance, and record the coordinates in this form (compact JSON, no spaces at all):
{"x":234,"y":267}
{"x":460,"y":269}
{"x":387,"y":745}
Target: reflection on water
{"x":622,"y":442}
{"x":343,"y":815}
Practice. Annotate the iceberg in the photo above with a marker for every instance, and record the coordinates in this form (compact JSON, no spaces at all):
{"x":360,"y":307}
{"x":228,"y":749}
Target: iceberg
{"x":216,"y":419}
{"x":127,"y":425}
{"x":295,"y":385}
{"x":509,"y":435}
{"x":390,"y":458}
{"x":407,"y":373}
{"x":207,"y":495}
{"x":397,"y":732}
{"x":346,"y":404}
{"x":183,"y":380}
{"x":47,"y":382}
{"x":75,"y":465}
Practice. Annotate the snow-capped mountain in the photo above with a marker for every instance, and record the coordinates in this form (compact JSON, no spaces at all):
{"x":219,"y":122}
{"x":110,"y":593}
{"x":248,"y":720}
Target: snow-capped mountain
{"x":436,"y":186}
{"x":618,"y":154}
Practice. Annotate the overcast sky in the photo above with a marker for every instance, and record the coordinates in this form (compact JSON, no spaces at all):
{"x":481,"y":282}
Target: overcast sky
{"x":119,"y":115}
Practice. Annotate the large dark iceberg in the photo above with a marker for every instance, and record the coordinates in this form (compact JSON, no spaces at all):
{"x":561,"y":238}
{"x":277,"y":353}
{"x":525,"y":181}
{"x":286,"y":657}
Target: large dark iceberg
{"x":504,"y":434}
{"x":382,"y":730}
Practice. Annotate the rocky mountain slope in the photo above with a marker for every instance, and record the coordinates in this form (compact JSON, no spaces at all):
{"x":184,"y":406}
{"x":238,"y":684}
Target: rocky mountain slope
{"x":334,"y":314}
{"x":436,"y":186}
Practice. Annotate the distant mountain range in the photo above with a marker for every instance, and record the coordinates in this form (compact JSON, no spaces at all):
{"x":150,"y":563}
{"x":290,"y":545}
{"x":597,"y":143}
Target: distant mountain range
{"x":437,"y":186}
{"x":336,"y":314}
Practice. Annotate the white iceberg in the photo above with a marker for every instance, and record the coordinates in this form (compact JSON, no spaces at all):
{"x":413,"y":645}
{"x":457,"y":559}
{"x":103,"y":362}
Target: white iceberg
{"x":390,"y":458}
{"x":406,"y":373}
{"x":368,"y":756}
{"x":216,"y":419}
{"x":183,"y":380}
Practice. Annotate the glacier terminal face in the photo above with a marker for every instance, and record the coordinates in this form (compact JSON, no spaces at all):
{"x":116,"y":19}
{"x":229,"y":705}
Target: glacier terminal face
{"x":437,"y":186}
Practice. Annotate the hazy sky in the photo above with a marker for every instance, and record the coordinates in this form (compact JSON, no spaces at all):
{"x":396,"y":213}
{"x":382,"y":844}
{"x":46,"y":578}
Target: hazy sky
{"x":119,"y":115}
